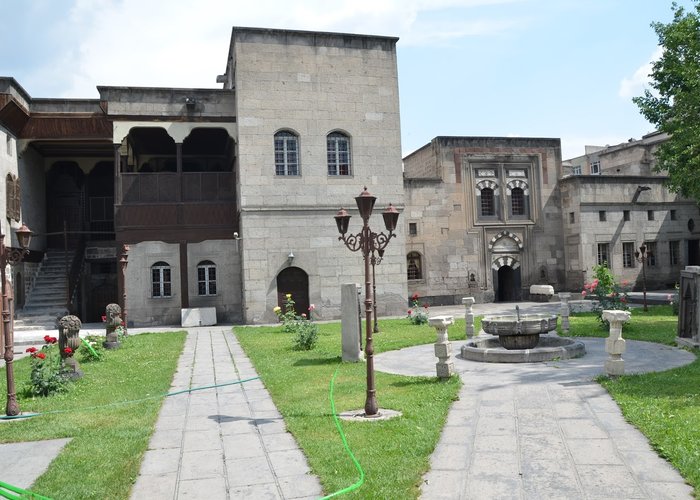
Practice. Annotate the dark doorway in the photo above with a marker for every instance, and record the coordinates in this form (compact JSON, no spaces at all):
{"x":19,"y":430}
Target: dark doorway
{"x":64,"y":202}
{"x":99,"y":188}
{"x":693,"y":253}
{"x":295,"y":281}
{"x":507,"y":284}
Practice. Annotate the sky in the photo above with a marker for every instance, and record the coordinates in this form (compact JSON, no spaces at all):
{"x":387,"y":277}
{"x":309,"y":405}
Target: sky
{"x":566,"y":69}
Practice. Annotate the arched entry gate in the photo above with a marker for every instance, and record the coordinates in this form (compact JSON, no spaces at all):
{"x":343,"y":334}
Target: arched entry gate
{"x":506,"y":248}
{"x":295,"y":281}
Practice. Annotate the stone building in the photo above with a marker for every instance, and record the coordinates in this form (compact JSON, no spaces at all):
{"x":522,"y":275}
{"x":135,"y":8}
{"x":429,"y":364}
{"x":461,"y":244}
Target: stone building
{"x":225,"y":197}
{"x":483,"y":218}
{"x":613,"y":202}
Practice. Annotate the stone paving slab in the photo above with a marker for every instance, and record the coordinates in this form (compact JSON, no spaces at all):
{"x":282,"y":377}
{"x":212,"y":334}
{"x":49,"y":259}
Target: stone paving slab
{"x":543,"y":430}
{"x":22,"y":463}
{"x":221,"y":443}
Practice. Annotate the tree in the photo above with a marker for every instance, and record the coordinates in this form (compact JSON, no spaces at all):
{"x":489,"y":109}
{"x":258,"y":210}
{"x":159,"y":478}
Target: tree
{"x":674,"y":104}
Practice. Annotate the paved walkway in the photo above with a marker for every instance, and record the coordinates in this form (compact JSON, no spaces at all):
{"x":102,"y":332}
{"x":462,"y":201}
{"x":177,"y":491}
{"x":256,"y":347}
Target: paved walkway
{"x":542,"y":430}
{"x":223,"y":443}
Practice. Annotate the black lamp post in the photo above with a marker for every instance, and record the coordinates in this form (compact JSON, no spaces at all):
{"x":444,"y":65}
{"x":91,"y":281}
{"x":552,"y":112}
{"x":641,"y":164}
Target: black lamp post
{"x":375,"y":260}
{"x":368,"y":242}
{"x":11,"y":256}
{"x":642,"y":256}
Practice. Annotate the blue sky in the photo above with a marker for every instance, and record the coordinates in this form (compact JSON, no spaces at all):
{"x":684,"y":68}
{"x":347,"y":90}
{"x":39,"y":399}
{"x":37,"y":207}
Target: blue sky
{"x":528,"y":68}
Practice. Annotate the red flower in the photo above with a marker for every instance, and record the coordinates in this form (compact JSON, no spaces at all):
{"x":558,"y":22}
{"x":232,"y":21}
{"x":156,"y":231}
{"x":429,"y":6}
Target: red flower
{"x":410,"y":311}
{"x":415,"y":296}
{"x":426,"y":305}
{"x":46,"y":338}
{"x":31,"y":349}
{"x":39,"y":355}
{"x":104,"y":318}
{"x":122,"y":323}
{"x":68,"y":351}
{"x":50,"y":340}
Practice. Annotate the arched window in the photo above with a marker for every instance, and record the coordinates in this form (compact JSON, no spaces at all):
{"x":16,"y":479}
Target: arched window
{"x":338,"y":153}
{"x":206,"y":278}
{"x":487,"y":203}
{"x":414,"y":266}
{"x":161,"y":280}
{"x":286,"y":153}
{"x":517,"y":201}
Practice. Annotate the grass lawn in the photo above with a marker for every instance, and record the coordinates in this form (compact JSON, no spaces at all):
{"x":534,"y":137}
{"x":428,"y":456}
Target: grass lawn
{"x":104,"y":456}
{"x":665,"y":406}
{"x":658,"y":324}
{"x":394,"y":453}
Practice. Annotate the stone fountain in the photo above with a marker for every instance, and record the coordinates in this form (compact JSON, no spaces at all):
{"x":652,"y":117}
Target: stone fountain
{"x":521,"y":339}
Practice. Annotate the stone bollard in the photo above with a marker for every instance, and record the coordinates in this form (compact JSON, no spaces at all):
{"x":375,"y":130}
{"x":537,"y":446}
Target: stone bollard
{"x":68,"y":343}
{"x":615,"y":344}
{"x":113,"y":321}
{"x":468,"y":302}
{"x":565,"y":310}
{"x":443,"y":347}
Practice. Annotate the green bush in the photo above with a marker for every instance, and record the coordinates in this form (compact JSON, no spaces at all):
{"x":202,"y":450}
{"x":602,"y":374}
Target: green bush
{"x":48,"y":375}
{"x":417,"y":314}
{"x":605,"y":289}
{"x":305,"y":334}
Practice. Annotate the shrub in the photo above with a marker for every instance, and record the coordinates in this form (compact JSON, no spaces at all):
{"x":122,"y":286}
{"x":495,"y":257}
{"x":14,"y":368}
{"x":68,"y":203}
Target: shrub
{"x":417,"y":314}
{"x":605,"y":289}
{"x":305,"y":334}
{"x":48,"y":375}
{"x":94,"y":352}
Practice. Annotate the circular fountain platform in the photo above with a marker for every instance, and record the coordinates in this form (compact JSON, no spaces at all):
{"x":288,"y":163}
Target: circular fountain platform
{"x":489,"y":350}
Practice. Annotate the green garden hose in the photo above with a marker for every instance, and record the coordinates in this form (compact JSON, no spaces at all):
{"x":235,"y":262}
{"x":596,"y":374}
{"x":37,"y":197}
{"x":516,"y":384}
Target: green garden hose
{"x":21,"y":494}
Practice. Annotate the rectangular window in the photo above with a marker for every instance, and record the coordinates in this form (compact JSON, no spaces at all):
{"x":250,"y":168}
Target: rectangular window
{"x":161,"y":281}
{"x":674,"y":250}
{"x":650,"y":215}
{"x":487,"y":202}
{"x":286,"y":154}
{"x":338,"y":154}
{"x":602,"y":216}
{"x":206,"y":279}
{"x":651,"y":253}
{"x":626,"y":215}
{"x":10,"y":145}
{"x":595,"y":168}
{"x":603,"y":259}
{"x":577,"y":170}
{"x":627,"y":254}
{"x":572,"y":217}
{"x":673,"y":215}
{"x":412,"y":228}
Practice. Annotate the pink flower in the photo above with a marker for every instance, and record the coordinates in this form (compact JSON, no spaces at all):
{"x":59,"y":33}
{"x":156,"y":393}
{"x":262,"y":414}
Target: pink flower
{"x":312,"y":307}
{"x":410,"y":311}
{"x":623,"y":299}
{"x":583,"y":294}
{"x":303,"y":315}
{"x":670,"y":297}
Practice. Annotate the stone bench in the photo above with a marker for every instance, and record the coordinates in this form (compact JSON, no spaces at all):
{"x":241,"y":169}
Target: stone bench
{"x":198,"y":316}
{"x":541,"y":293}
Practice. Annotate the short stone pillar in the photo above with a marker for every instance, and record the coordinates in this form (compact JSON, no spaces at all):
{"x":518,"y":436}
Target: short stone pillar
{"x":351,"y":324}
{"x":68,"y":343}
{"x":113,"y":320}
{"x":468,"y":302}
{"x":615,"y":344}
{"x":564,"y":310}
{"x":443,"y":347}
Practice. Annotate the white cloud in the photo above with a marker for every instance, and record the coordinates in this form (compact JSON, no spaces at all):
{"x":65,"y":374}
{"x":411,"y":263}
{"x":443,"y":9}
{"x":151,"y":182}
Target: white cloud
{"x":635,"y":85}
{"x":184,"y":44}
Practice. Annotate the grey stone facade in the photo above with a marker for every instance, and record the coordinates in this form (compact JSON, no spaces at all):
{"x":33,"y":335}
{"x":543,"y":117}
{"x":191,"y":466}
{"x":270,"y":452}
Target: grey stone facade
{"x":464,"y":250}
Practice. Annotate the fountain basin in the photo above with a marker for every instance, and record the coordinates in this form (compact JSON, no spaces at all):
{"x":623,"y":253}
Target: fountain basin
{"x":489,"y":350}
{"x":519,"y":332}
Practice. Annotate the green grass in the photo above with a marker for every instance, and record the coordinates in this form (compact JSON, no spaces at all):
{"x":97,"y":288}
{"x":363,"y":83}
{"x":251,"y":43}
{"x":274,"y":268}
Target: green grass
{"x":658,"y":324}
{"x":104,"y":456}
{"x":665,"y":406}
{"x":394,"y":453}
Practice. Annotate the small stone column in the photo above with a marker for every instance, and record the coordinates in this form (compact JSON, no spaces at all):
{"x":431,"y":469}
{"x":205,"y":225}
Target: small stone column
{"x":68,"y":343}
{"x":443,"y":347}
{"x":564,"y":297}
{"x":468,"y":302}
{"x":615,"y":344}
{"x":113,"y":320}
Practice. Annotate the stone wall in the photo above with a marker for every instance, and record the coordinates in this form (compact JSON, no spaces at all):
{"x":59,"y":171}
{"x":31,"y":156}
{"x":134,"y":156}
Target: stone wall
{"x":314,"y":84}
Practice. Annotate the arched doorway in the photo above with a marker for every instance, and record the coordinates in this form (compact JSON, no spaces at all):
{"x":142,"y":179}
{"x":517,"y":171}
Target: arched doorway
{"x":295,"y":281}
{"x":507,"y":284}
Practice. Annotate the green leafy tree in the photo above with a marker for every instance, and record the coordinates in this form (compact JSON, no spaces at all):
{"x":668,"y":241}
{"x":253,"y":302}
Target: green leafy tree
{"x":673,"y":105}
